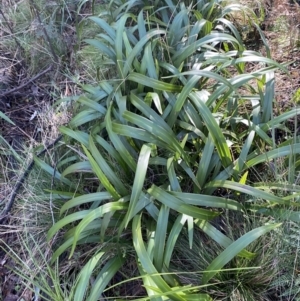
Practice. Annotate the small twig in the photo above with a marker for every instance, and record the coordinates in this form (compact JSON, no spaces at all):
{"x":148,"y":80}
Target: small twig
{"x":27,"y":83}
{"x":19,"y":94}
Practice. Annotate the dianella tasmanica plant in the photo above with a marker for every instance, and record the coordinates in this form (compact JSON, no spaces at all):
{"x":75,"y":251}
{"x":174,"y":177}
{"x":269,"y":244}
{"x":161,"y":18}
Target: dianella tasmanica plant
{"x":166,"y":146}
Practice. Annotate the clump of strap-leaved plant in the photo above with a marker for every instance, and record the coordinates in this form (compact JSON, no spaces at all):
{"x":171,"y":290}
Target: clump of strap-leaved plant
{"x":166,"y":146}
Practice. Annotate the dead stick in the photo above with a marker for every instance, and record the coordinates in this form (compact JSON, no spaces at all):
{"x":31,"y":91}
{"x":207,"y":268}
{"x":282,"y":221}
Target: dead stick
{"x":27,"y":83}
{"x":20,"y":182}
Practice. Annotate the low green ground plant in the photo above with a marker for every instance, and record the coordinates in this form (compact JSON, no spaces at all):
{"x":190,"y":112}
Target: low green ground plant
{"x":168,"y":146}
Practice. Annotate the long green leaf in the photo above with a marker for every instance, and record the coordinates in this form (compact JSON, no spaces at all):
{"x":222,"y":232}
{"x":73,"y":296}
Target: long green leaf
{"x":181,"y":99}
{"x":2,"y":115}
{"x":119,"y":44}
{"x":102,"y":47}
{"x":139,"y":47}
{"x":85,"y":276}
{"x":220,"y":238}
{"x":172,"y":238}
{"x":104,"y":277}
{"x":248,"y":190}
{"x":92,"y":215}
{"x":87,"y":198}
{"x":93,"y":104}
{"x":106,"y":169}
{"x":79,"y":136}
{"x":230,"y":252}
{"x":85,"y":116}
{"x":175,"y":186}
{"x":84,"y":238}
{"x":144,"y":107}
{"x":101,"y":176}
{"x":273,"y":154}
{"x":119,"y":146}
{"x":109,"y":29}
{"x":214,"y":130}
{"x":207,"y":200}
{"x":146,"y":262}
{"x":139,"y":180}
{"x":152,"y":127}
{"x":205,"y":161}
{"x":186,"y":52}
{"x":153,"y":83}
{"x":66,"y":220}
{"x":52,"y":171}
{"x":84,"y":166}
{"x":160,"y":237}
{"x":179,"y":206}
{"x":138,"y":133}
